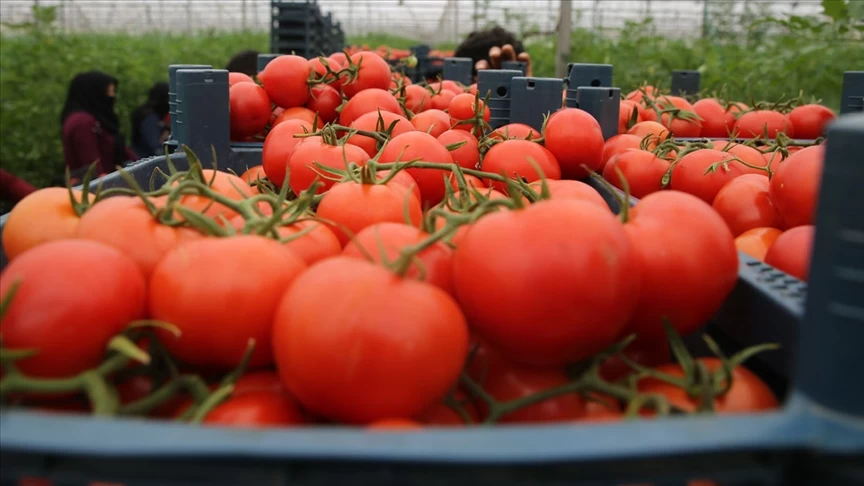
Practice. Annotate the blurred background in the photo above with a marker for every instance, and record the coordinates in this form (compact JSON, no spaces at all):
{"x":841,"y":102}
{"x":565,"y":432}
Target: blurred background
{"x":750,"y":50}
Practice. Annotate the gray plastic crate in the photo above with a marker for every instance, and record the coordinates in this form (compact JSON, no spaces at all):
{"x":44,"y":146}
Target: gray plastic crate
{"x":603,"y":104}
{"x":533,"y":99}
{"x":852,"y":100}
{"x":521,"y":66}
{"x":496,"y":84}
{"x":686,"y":82}
{"x":458,"y":69}
{"x":172,"y":94}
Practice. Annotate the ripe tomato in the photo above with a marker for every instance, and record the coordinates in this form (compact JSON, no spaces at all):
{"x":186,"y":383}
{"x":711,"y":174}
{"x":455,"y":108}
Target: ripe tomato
{"x":403,"y":178}
{"x":258,"y":381}
{"x":639,"y":94}
{"x":325,"y":100}
{"x":406,"y":340}
{"x":642,"y":170}
{"x":462,"y":108}
{"x":372,"y":122}
{"x":335,"y":65}
{"x":352,"y":206}
{"x":433,"y":122}
{"x":791,"y":251}
{"x":234,"y":78}
{"x":73,"y":297}
{"x":506,"y":382}
{"x":515,"y":130}
{"x":517,"y":158}
{"x":472,"y":89}
{"x":569,"y":128}
{"x":416,"y":98}
{"x":795,"y":186}
{"x":468,"y":155}
{"x":228,"y":185}
{"x":419,"y":145}
{"x":252,"y":174}
{"x":373,"y":72}
{"x":299,"y":113}
{"x":51,"y":208}
{"x":625,"y":114}
{"x":286,"y":80}
{"x":487,"y":193}
{"x":744,"y":204}
{"x":560,"y":317}
{"x":678,"y":126}
{"x":125,"y":223}
{"x":656,"y":131}
{"x":441,"y":100}
{"x":395,"y":425}
{"x":311,"y":240}
{"x":689,"y":174}
{"x":647,"y":352}
{"x":221,"y":292}
{"x":810,"y":121}
{"x":616,"y":145}
{"x":368,"y":101}
{"x":673,"y":283}
{"x":385,"y":241}
{"x":717,"y":122}
{"x":747,"y":394}
{"x":258,"y":408}
{"x":747,"y":154}
{"x":571,"y":190}
{"x":278,"y":145}
{"x":763,"y":124}
{"x":757,"y":241}
{"x":603,"y":409}
{"x":447,"y":85}
{"x":305,"y":155}
{"x":441,"y":415}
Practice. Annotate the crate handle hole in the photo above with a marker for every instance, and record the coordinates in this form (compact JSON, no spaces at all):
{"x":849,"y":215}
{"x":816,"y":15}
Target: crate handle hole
{"x":611,"y":93}
{"x":502,"y":91}
{"x":531,"y":84}
{"x":595,"y":82}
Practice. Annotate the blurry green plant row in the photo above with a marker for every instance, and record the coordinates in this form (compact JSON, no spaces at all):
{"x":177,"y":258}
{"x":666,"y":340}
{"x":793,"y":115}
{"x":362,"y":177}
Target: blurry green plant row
{"x":772,"y":60}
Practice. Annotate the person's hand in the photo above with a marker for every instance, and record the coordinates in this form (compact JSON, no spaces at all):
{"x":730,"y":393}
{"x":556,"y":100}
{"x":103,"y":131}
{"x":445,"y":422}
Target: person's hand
{"x":497,"y":55}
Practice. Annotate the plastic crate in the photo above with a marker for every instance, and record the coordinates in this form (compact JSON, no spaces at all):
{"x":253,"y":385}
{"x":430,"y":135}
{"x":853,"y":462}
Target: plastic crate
{"x":297,"y":27}
{"x":686,"y":82}
{"x":459,"y":69}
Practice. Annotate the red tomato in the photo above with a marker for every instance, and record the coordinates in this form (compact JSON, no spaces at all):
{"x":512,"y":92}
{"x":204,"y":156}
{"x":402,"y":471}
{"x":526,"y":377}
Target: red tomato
{"x":647,"y":352}
{"x":441,"y":415}
{"x":795,"y":186}
{"x":385,"y":241}
{"x":571,"y":190}
{"x":255,"y":381}
{"x":126,"y":224}
{"x":472,"y":89}
{"x":73,"y":297}
{"x":470,"y":181}
{"x":638,"y":94}
{"x":234,"y":78}
{"x":228,"y":185}
{"x":406,"y":340}
{"x":312,"y":241}
{"x":352,"y":206}
{"x":220,"y":302}
{"x":642,"y":170}
{"x":747,"y":394}
{"x":417,"y":98}
{"x":625,"y":115}
{"x":279,"y":145}
{"x":441,"y":100}
{"x":717,"y":122}
{"x":515,"y":130}
{"x":618,"y":144}
{"x":403,"y":178}
{"x":456,"y":238}
{"x":325,"y":100}
{"x":335,"y":65}
{"x":433,"y":122}
{"x":368,"y":101}
{"x":447,"y":85}
{"x":468,"y":155}
{"x":604,"y":409}
{"x":747,"y":154}
{"x":810,"y":121}
{"x":372,"y":122}
{"x":513,"y":158}
{"x":286,"y":80}
{"x":656,"y":131}
{"x":305,"y":155}
{"x":463,"y":108}
{"x":373,"y":72}
{"x":299,"y":113}
{"x":791,"y":251}
{"x":763,"y":124}
{"x":673,"y":283}
{"x":252,"y":174}
{"x":419,"y":145}
{"x":52,"y":208}
{"x":744,"y":204}
{"x":509,"y":382}
{"x":578,"y":316}
{"x":569,"y":128}
{"x":250,"y":110}
{"x":259,"y":408}
{"x":678,"y":126}
{"x":689,"y":174}
{"x":757,"y":241}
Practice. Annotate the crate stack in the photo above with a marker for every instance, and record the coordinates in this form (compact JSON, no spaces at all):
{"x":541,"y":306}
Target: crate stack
{"x":299,"y":27}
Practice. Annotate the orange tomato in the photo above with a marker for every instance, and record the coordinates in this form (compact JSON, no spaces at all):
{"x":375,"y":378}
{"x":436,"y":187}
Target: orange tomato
{"x":757,"y":241}
{"x":43,"y":216}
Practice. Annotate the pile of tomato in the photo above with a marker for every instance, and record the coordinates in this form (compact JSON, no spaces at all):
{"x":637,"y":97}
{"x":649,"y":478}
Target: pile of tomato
{"x":396,"y":263}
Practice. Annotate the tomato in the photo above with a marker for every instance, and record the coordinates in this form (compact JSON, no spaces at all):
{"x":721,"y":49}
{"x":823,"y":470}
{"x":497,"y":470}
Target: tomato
{"x":416,"y":98}
{"x":325,"y":100}
{"x":791,"y":251}
{"x":320,"y":69}
{"x":510,"y":382}
{"x":679,"y":127}
{"x":70,"y":292}
{"x":441,"y":415}
{"x":373,"y":72}
{"x":602,"y":409}
{"x":441,"y":100}
{"x":252,"y":174}
{"x":51,"y":208}
{"x":646,"y":352}
{"x":717,"y":122}
{"x":747,"y":394}
{"x":279,"y":145}
{"x":385,"y":241}
{"x":259,"y":408}
{"x":228,"y":185}
{"x":515,"y":130}
{"x":447,"y":85}
{"x":285,"y":79}
{"x":353,"y":206}
{"x":463,"y":108}
{"x":471,"y":199}
{"x":368,"y":101}
{"x":372,"y":122}
{"x":126,"y":224}
{"x":560,"y":316}
{"x":763,"y":124}
{"x":618,"y":144}
{"x":299,"y":113}
{"x":419,"y":145}
{"x":433,"y":122}
{"x":809,"y":121}
{"x":221,"y":292}
{"x":673,"y":283}
{"x":254,"y":381}
{"x":234,"y":78}
{"x":305,"y":155}
{"x":747,"y":154}
{"x":406,"y":342}
{"x":642,"y":170}
{"x":470,"y":181}
{"x":756,"y":242}
{"x":517,"y":158}
{"x":571,"y":190}
{"x":395,"y":425}
{"x":744,"y":204}
{"x":569,"y":128}
{"x":639,"y":94}
{"x":689,"y":174}
{"x":625,"y":115}
{"x":795,"y":186}
{"x":468,"y":155}
{"x":403,"y":178}
{"x":656,"y":131}
{"x":311,"y":240}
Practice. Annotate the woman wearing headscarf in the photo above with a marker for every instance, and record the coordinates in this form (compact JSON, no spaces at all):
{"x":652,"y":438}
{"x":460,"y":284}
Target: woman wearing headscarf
{"x":149,"y":128}
{"x":91,"y":128}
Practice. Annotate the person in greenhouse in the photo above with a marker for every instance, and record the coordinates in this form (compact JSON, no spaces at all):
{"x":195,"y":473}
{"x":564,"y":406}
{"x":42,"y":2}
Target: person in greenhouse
{"x":489,"y":48}
{"x":149,"y":129}
{"x":245,"y":62}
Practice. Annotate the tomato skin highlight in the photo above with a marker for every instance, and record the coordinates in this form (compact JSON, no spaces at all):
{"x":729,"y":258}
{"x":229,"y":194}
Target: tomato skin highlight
{"x":791,"y":252}
{"x":744,"y":204}
{"x":57,"y":220}
{"x":388,"y":347}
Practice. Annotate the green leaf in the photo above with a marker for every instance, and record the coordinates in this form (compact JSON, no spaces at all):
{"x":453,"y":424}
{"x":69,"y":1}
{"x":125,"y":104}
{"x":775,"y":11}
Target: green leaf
{"x":838,"y":10}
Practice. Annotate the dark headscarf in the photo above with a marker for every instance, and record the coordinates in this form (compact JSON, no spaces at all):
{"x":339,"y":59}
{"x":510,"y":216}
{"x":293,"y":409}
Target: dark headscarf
{"x":157,"y":102}
{"x":245,"y":62}
{"x":88,"y":93}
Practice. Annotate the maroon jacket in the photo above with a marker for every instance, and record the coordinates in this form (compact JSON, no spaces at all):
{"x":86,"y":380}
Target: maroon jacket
{"x":84,"y":142}
{"x":13,"y":189}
